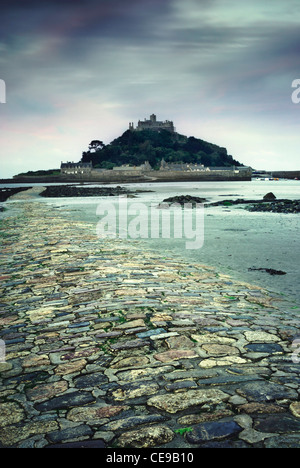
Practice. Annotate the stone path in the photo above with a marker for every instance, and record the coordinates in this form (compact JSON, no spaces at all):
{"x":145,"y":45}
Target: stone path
{"x":107,"y":345}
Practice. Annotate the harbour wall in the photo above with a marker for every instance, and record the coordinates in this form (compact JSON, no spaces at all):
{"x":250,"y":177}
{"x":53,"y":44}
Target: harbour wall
{"x":110,"y":176}
{"x":160,"y":176}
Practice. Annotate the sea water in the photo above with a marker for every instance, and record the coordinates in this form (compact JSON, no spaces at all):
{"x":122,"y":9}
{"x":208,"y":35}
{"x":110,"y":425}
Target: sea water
{"x":237,"y":242}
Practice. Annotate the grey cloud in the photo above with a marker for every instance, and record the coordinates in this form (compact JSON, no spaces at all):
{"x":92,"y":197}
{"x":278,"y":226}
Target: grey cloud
{"x":169,"y":57}
{"x":81,"y":18}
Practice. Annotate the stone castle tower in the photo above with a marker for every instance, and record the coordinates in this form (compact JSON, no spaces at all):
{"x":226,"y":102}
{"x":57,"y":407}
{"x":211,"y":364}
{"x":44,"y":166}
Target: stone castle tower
{"x":153,"y":124}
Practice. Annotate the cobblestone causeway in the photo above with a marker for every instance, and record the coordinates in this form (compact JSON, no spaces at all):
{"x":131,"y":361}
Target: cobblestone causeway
{"x":107,"y":345}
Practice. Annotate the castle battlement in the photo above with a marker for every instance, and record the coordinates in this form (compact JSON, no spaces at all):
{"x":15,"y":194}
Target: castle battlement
{"x":153,"y":124}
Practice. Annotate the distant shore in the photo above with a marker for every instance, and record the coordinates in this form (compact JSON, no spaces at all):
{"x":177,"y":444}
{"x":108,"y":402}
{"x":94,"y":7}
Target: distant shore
{"x":182,"y":177}
{"x":58,"y":191}
{"x":128,"y":179}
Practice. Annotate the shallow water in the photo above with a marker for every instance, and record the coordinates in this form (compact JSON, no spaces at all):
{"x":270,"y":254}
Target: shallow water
{"x":234,"y":239}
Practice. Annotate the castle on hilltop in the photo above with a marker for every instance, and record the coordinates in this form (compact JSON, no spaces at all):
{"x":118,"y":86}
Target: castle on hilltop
{"x":169,"y":171}
{"x":153,"y":124}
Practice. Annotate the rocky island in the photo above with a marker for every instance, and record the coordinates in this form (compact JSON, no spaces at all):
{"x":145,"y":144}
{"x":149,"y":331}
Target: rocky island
{"x":7,"y":192}
{"x":184,"y":200}
{"x":151,"y":151}
{"x":60,"y":191}
{"x":269,"y":203}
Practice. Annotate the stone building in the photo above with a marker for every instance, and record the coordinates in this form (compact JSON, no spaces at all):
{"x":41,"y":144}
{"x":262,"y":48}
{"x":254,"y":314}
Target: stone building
{"x":145,"y":167}
{"x":76,"y":168}
{"x":153,"y":124}
{"x":184,"y":167}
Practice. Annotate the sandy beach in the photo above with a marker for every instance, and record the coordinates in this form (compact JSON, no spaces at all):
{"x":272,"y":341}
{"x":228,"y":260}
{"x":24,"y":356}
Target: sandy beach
{"x":108,"y":345}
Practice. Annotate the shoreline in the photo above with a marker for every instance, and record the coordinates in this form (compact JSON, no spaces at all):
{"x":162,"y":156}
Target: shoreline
{"x":108,"y":345}
{"x":292,"y":175}
{"x":116,"y":177}
{"x":251,"y":266}
{"x":59,"y":191}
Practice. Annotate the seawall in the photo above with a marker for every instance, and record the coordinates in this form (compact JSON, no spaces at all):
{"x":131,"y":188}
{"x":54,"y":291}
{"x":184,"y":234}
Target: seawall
{"x":154,"y":176}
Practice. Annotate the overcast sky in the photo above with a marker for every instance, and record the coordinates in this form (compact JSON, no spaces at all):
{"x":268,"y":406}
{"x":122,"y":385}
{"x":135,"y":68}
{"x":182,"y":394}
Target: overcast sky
{"x":221,"y":70}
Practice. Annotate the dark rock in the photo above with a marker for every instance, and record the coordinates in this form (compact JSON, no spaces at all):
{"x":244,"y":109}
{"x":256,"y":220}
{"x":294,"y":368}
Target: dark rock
{"x":78,"y":324}
{"x":5,"y":192}
{"x":214,"y":430}
{"x":184,"y":199}
{"x":271,"y":204}
{"x":269,"y":196}
{"x":268,"y":348}
{"x":284,"y":441}
{"x":82,"y":191}
{"x":32,"y":377}
{"x":180,"y":385}
{"x":238,"y":201}
{"x":90,"y":380}
{"x":15,"y":340}
{"x":70,"y":433}
{"x":278,"y":423}
{"x":271,"y":271}
{"x":266,"y":391}
{"x":66,"y":401}
{"x":132,"y":422}
{"x":275,"y":206}
{"x":229,"y":379}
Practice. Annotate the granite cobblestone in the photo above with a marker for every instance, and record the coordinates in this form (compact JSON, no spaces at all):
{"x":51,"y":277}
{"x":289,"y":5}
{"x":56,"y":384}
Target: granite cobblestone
{"x":110,"y":345}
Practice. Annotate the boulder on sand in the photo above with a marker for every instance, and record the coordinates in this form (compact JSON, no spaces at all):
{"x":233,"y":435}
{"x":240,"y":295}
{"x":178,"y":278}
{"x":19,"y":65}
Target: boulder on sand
{"x":269,"y":196}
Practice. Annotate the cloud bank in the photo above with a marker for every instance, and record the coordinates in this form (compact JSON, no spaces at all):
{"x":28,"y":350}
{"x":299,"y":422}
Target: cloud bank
{"x":81,"y":70}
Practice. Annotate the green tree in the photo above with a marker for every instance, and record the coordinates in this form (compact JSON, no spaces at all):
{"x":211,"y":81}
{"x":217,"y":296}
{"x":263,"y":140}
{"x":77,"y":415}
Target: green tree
{"x":134,"y":147}
{"x":96,"y":145}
